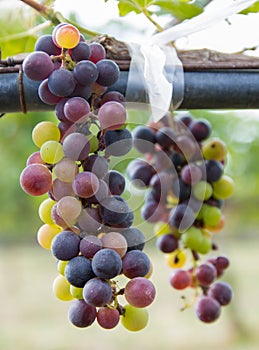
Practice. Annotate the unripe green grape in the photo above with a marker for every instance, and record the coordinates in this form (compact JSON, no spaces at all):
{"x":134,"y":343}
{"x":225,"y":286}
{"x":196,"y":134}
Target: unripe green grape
{"x":45,"y":211}
{"x":192,"y":238}
{"x":61,"y":288}
{"x":94,"y":143}
{"x":214,"y":149}
{"x":161,"y":228}
{"x":61,"y":265}
{"x":205,"y":245}
{"x":51,"y":152}
{"x":45,"y":131}
{"x":76,"y":292}
{"x":210,"y":215}
{"x":202,"y":190}
{"x":134,"y":319}
{"x":223,"y":188}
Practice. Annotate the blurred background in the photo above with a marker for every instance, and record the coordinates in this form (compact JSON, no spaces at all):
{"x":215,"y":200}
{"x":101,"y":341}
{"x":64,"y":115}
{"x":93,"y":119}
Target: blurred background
{"x":30,"y":316}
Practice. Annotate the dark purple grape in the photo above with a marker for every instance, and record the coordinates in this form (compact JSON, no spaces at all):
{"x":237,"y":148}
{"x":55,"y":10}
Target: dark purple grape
{"x":90,"y":245}
{"x":181,"y":217}
{"x":140,"y":172}
{"x":46,"y":44}
{"x":81,"y":314}
{"x":206,"y":274}
{"x":59,"y":110}
{"x":45,"y":94}
{"x":167,"y":243}
{"x":114,"y":210}
{"x":97,"y":292}
{"x":113,"y":96}
{"x":97,"y":165}
{"x":215,"y":202}
{"x":65,"y":245}
{"x":144,"y":139}
{"x":165,"y":137}
{"x":100,"y":195}
{"x":191,"y":174}
{"x":86,"y":184}
{"x":108,"y":318}
{"x":161,"y":184}
{"x":186,"y":119}
{"x":186,"y":145}
{"x":177,"y":159}
{"x":135,"y":238}
{"x":85,"y":72}
{"x":97,"y":52}
{"x":90,"y":220}
{"x":108,"y":72}
{"x":115,"y":181}
{"x":78,"y":271}
{"x":106,"y":263}
{"x":118,"y":142}
{"x":221,"y":291}
{"x":61,"y":82}
{"x":76,"y":109}
{"x":152,"y":211}
{"x":207,"y":309}
{"x":126,"y":223}
{"x":135,"y":264}
{"x":80,"y":52}
{"x":201,"y":129}
{"x":213,"y":170}
{"x":181,"y":189}
{"x":83,"y":91}
{"x":38,"y":66}
{"x":222,"y":262}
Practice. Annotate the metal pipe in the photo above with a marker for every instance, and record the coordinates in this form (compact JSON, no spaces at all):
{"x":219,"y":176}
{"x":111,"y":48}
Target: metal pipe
{"x":222,"y":89}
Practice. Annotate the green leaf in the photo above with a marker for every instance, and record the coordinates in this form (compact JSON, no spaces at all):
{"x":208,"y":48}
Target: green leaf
{"x":137,"y":6}
{"x":251,"y":9}
{"x":178,"y":9}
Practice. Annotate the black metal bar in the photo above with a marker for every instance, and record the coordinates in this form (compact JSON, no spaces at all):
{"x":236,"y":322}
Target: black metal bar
{"x":224,"y":89}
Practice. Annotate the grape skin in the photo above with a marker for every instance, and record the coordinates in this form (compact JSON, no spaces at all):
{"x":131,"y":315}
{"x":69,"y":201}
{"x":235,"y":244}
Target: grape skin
{"x":36,"y":179}
{"x":81,"y":314}
{"x":106,"y":263}
{"x":135,"y":264}
{"x":108,"y":318}
{"x":38,"y":65}
{"x":78,"y":271}
{"x":207,"y":309}
{"x":97,"y":292}
{"x":65,"y":245}
{"x":140,"y":292}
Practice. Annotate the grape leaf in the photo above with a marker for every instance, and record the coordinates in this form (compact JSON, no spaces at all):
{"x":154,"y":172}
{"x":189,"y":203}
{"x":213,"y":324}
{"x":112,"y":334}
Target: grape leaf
{"x":179,"y":9}
{"x":251,"y":9}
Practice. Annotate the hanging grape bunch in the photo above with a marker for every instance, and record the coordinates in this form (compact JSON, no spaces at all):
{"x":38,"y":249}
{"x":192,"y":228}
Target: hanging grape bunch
{"x":184,"y":172}
{"x":87,"y":225}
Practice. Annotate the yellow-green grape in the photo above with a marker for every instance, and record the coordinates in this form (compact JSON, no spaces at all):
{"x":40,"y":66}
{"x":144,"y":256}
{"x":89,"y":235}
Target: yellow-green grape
{"x":45,"y":131}
{"x":61,"y":288}
{"x":66,"y":170}
{"x":67,"y":36}
{"x":69,"y":208}
{"x":210,"y":215}
{"x":192,"y":238}
{"x":61,"y":265}
{"x":134,"y":319}
{"x":205,"y":245}
{"x":76,"y":292}
{"x":51,"y":152}
{"x":214,"y":149}
{"x":176,"y":259}
{"x":46,"y":233}
{"x":94,"y":143}
{"x":45,"y":211}
{"x":223,"y":188}
{"x":161,"y":229}
{"x":202,"y":190}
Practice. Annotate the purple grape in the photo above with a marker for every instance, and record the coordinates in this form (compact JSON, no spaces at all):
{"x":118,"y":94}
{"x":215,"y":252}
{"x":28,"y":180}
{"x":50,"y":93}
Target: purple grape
{"x":206,"y":274}
{"x":81,"y":314}
{"x":140,"y":172}
{"x":38,"y":66}
{"x":135,"y":264}
{"x":108,"y":318}
{"x":177,"y":159}
{"x":78,"y":271}
{"x":90,"y":245}
{"x":80,"y":52}
{"x":144,"y":139}
{"x":115,"y":181}
{"x":90,"y":220}
{"x":97,"y":165}
{"x":61,"y":82}
{"x":86,"y":184}
{"x":59,"y":110}
{"x":181,"y":217}
{"x":186,"y":119}
{"x":114,"y":210}
{"x":140,"y":292}
{"x":221,"y":291}
{"x":113,"y":96}
{"x":152,"y":211}
{"x":45,"y":95}
{"x":180,"y":279}
{"x":76,"y":109}
{"x":108,"y":72}
{"x":106,"y":263}
{"x":97,"y":52}
{"x":46,"y":44}
{"x":207,"y":309}
{"x":135,"y":238}
{"x":191,"y":174}
{"x":85,"y":72}
{"x":76,"y":146}
{"x":214,"y":170}
{"x":65,"y":245}
{"x":100,"y":195}
{"x":82,"y":91}
{"x":201,"y":129}
{"x":97,"y":292}
{"x":165,"y":137}
{"x":181,"y":189}
{"x":118,"y":142}
{"x":167,"y":243}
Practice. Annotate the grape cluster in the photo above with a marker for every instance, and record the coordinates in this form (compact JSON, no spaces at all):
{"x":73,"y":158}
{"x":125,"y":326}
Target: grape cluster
{"x":183,"y":172}
{"x":87,"y":224}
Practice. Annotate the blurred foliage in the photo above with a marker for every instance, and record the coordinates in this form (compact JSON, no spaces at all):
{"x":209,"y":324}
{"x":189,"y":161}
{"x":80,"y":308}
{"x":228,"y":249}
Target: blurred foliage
{"x":18,"y":215}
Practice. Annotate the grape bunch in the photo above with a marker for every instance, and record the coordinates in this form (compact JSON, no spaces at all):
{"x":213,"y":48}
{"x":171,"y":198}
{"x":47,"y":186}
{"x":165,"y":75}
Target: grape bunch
{"x":87,"y":224}
{"x":183,"y":172}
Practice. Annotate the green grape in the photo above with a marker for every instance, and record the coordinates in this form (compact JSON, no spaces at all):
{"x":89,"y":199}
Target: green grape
{"x":134,"y":319}
{"x":223,"y":188}
{"x":205,"y":245}
{"x":61,"y":288}
{"x":202,"y":190}
{"x":161,"y":228}
{"x":46,"y":233}
{"x":192,"y":238}
{"x":211,"y":216}
{"x":61,"y":265}
{"x":94,"y":143}
{"x":76,"y":292}
{"x":214,"y":149}
{"x":45,"y":211}
{"x":45,"y":131}
{"x":51,"y":152}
